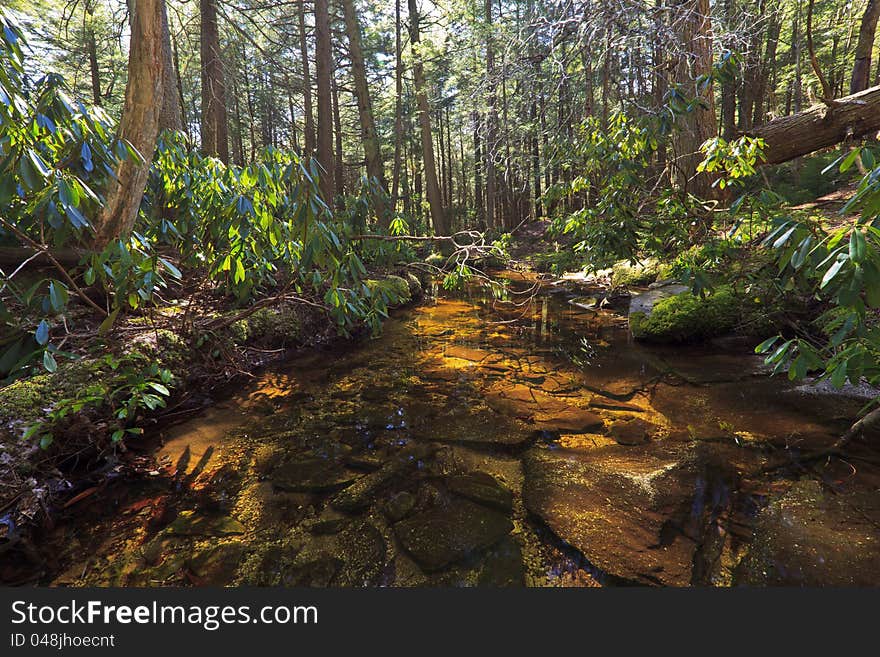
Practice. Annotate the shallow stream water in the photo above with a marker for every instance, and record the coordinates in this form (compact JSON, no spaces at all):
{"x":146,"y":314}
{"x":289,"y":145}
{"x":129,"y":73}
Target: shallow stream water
{"x":525,"y":440}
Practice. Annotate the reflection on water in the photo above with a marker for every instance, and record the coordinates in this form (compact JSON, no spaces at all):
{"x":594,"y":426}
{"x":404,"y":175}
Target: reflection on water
{"x":486,"y":439}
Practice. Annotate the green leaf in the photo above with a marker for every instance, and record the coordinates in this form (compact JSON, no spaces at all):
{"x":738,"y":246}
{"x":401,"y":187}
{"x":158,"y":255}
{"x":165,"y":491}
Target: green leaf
{"x":239,"y":275}
{"x":766,"y":345}
{"x":857,"y":246}
{"x":58,"y":296}
{"x":49,"y":362}
{"x":108,"y":322}
{"x":158,"y":387}
{"x":838,"y":376}
{"x":849,"y":160}
{"x":831,"y":273}
{"x":46,"y":440}
{"x":42,"y":333}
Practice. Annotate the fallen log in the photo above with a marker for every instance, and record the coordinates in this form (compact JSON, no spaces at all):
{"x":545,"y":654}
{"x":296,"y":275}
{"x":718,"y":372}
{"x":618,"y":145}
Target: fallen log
{"x":821,"y":126}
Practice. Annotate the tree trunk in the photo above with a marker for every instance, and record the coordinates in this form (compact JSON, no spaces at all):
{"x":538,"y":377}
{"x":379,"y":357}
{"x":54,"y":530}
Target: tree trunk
{"x":369,"y":136}
{"x":139,"y":124}
{"x":338,"y":164}
{"x":699,"y":125}
{"x":862,"y":67}
{"x":491,"y":123}
{"x":435,"y":201}
{"x":170,"y":118}
{"x":324,"y":74}
{"x":214,"y":131}
{"x":92,"y":48}
{"x":309,"y":128}
{"x":398,"y":105}
{"x":820,"y":127}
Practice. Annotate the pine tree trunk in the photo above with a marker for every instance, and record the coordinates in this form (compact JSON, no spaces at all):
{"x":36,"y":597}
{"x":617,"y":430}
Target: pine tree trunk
{"x":369,"y":136}
{"x":862,"y":67}
{"x":215,"y":139}
{"x":435,"y":201}
{"x":324,"y":74}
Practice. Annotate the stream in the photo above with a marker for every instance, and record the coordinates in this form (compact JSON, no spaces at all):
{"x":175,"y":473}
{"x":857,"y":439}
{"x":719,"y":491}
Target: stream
{"x":494,"y":442}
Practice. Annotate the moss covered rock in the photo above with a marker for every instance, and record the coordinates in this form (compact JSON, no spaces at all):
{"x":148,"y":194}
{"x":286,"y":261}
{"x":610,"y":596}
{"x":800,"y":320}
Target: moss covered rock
{"x":685,"y":317}
{"x":640,"y":273}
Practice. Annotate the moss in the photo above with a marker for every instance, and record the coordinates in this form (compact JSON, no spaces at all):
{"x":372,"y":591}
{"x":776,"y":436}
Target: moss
{"x":685,"y":317}
{"x":25,"y":401}
{"x":641,"y":273}
{"x":278,"y":327}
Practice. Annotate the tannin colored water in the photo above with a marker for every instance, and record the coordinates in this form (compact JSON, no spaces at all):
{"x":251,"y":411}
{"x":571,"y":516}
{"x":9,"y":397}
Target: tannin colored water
{"x":525,"y":440}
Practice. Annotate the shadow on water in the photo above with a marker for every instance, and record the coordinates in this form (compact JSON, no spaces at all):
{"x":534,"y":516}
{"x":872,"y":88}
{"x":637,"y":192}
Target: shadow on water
{"x":494,"y":440}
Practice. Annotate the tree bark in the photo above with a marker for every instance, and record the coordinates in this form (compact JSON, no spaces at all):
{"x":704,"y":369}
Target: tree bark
{"x":369,"y":136}
{"x":822,"y":126}
{"x":699,"y":125}
{"x":309,"y":128}
{"x":144,"y":97}
{"x":170,"y":118}
{"x":435,"y":201}
{"x":324,"y":74}
{"x":862,"y":67}
{"x":491,"y":122}
{"x":215,"y":140}
{"x":398,"y":105}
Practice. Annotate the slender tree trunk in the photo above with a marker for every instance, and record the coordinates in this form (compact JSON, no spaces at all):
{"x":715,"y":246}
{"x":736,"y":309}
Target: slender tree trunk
{"x":309,"y":128}
{"x":324,"y":75}
{"x":369,"y":136}
{"x":144,"y":97}
{"x":478,"y":171}
{"x":864,"y":47}
{"x":398,"y":105}
{"x":435,"y":201}
{"x":92,"y":48}
{"x":491,"y":122}
{"x":338,"y":163}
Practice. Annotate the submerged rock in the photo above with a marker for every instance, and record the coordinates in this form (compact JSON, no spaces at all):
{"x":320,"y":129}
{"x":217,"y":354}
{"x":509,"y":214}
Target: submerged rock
{"x":400,"y":505}
{"x":813,"y":537}
{"x":633,"y":431}
{"x":363,"y":492}
{"x":353,"y":557}
{"x":482,"y":488}
{"x":448,"y":533}
{"x":625,"y":510}
{"x":312,"y":475}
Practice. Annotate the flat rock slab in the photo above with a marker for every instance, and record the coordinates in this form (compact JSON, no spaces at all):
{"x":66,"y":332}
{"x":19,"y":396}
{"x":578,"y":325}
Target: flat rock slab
{"x":466,"y":353}
{"x":445,"y":534}
{"x":315,"y":475}
{"x":570,"y":420}
{"x":620,"y":507}
{"x":633,"y":431}
{"x":354,"y":557}
{"x":482,"y":488}
{"x":813,"y":537}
